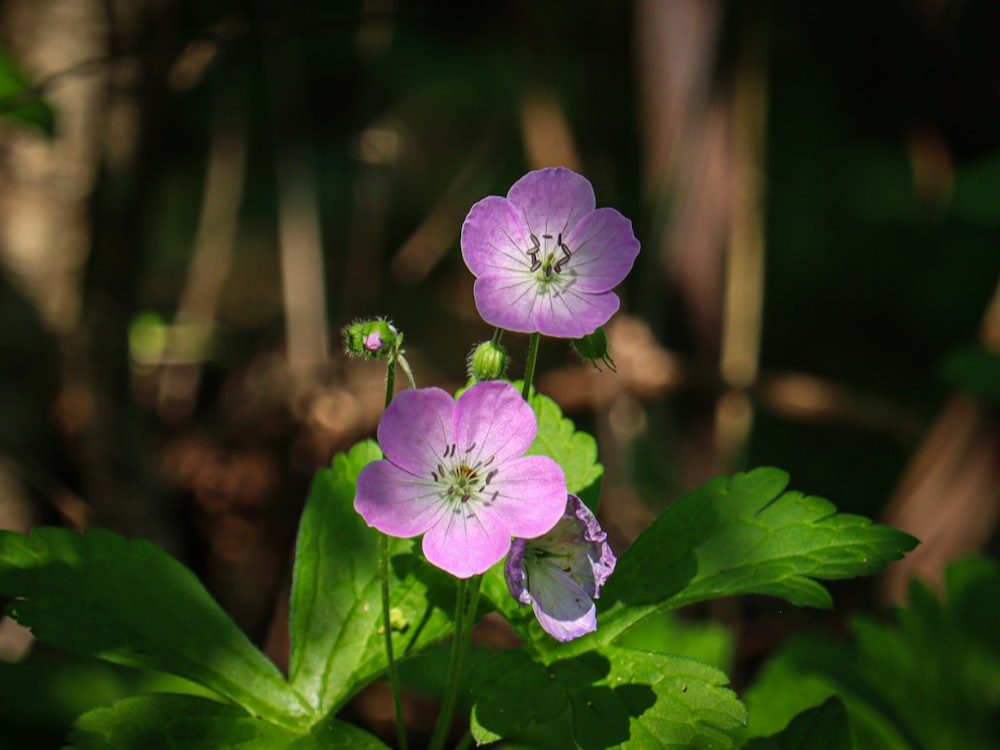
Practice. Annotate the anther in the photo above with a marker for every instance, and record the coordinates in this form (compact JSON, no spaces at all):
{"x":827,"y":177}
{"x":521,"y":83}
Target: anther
{"x":489,"y":477}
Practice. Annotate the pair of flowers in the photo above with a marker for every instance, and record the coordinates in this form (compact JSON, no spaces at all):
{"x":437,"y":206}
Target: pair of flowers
{"x":546,"y":261}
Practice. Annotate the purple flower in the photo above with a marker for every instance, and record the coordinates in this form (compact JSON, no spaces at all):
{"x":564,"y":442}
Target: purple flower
{"x":544,"y":258}
{"x":455,"y":471}
{"x":562,"y":571}
{"x":373,"y":342}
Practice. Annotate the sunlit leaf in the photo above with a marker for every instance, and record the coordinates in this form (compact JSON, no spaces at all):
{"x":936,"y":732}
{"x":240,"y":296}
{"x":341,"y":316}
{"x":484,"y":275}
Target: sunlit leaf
{"x":615,"y":698}
{"x":128,"y":602}
{"x":336,"y":606}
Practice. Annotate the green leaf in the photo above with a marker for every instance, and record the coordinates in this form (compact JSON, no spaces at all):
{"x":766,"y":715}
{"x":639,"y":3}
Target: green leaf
{"x":336,"y":605}
{"x":174,"y":722}
{"x":128,"y":602}
{"x":743,"y":536}
{"x":617,"y":698}
{"x":559,"y":439}
{"x":18,"y":102}
{"x":932,"y":680}
{"x":975,"y":195}
{"x":825,"y":727}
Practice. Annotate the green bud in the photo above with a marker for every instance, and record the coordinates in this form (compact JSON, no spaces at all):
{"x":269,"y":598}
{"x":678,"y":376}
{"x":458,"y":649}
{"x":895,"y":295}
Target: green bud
{"x":371,"y":339}
{"x":397,"y":620}
{"x":488,"y":361}
{"x":594,"y":348}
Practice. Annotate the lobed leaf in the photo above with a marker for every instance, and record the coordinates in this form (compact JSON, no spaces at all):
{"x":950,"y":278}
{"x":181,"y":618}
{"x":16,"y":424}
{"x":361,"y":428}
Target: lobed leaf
{"x":614,"y":698}
{"x":128,"y":602}
{"x":558,"y":438}
{"x":744,"y":536}
{"x":336,"y":605}
{"x":176,"y":722}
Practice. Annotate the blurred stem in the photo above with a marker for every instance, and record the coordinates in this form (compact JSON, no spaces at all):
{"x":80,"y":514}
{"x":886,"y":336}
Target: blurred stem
{"x":397,"y":698}
{"x":466,"y":604}
{"x":407,"y":372}
{"x":529,"y":366}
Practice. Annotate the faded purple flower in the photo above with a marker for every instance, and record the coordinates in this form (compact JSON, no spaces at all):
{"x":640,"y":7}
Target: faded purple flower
{"x":562,"y":571}
{"x":544,"y":258}
{"x":455,"y":471}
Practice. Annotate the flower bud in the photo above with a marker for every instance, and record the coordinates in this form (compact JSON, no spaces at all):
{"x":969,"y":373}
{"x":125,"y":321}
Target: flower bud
{"x":371,"y":339}
{"x":594,"y":348}
{"x":488,"y":361}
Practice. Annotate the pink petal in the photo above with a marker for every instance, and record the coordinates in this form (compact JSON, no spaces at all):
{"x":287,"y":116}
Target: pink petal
{"x":494,"y":421}
{"x":604,"y":248}
{"x":531,"y":495}
{"x":395,"y":502}
{"x":507,"y":301}
{"x":465,"y":543}
{"x":553,"y":199}
{"x":495,"y":237}
{"x":564,"y":610}
{"x":415,"y":429}
{"x":571,"y":315}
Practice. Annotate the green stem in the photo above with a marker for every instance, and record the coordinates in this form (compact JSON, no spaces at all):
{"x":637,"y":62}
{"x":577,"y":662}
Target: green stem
{"x":397,"y":697}
{"x":529,"y":365}
{"x":452,"y":688}
{"x":407,"y":372}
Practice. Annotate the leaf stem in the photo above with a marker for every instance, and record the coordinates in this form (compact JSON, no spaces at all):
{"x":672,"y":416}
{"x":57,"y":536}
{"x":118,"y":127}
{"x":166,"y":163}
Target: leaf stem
{"x":443,"y":723}
{"x":529,"y":365}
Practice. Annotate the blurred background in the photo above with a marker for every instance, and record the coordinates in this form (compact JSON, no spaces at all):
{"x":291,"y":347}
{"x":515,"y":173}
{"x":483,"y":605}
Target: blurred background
{"x":196,"y":196}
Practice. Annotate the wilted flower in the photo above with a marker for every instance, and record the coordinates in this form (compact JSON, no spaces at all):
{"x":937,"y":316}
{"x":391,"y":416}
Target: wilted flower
{"x":544,"y":258}
{"x":455,"y":471}
{"x":560,"y":572}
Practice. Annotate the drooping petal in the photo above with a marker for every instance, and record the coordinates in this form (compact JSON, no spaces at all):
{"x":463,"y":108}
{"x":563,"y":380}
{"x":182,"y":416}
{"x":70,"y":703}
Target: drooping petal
{"x":396,"y":502}
{"x":514,"y":572}
{"x":415,"y":429}
{"x":495,"y":237}
{"x":571,"y":315}
{"x":507,"y":301}
{"x":563,"y":609}
{"x":530,"y":495}
{"x":604,"y":248}
{"x":492,"y":421}
{"x":552,"y":199}
{"x":466,"y":541}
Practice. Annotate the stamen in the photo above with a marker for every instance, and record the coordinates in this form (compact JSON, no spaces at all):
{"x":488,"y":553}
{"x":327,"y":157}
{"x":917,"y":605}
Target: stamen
{"x":566,"y":254}
{"x":533,"y":254}
{"x":470,"y":448}
{"x":489,"y":461}
{"x":489,"y":477}
{"x":434,"y":474}
{"x":465,"y":497}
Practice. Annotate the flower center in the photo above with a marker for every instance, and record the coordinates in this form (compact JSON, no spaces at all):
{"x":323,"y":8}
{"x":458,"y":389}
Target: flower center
{"x":463,"y":479}
{"x":549,"y":256}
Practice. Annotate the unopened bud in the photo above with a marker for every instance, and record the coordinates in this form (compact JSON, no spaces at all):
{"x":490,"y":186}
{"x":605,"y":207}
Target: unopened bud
{"x":371,"y":339}
{"x":594,"y":348}
{"x":488,"y":361}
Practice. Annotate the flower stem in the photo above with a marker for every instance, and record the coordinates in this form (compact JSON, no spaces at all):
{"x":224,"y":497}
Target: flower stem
{"x":529,"y":365}
{"x":397,"y":698}
{"x":443,"y":723}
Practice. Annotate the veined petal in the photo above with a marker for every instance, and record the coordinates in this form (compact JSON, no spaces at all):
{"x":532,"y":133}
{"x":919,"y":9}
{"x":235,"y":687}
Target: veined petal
{"x":570,"y":314}
{"x":604,"y":248}
{"x":530,"y":495}
{"x":514,"y":572}
{"x":507,"y":301}
{"x":563,"y":609}
{"x":492,"y":421}
{"x":552,"y":200}
{"x":467,"y":542}
{"x":495,"y":237}
{"x":415,"y":429}
{"x":395,"y":502}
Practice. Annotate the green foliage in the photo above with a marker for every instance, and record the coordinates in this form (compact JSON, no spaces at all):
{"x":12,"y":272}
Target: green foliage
{"x":17,"y":101}
{"x":336,"y":612}
{"x":930,"y":681}
{"x":172,"y":722}
{"x":976,"y":371}
{"x":559,"y":439}
{"x":744,"y":536}
{"x":128,"y":602}
{"x":822,"y":728}
{"x":612,"y":698}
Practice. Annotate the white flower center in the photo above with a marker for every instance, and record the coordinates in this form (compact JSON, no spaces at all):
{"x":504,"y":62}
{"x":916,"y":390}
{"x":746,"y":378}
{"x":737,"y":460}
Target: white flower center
{"x":549,"y":256}
{"x":464,"y":480}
